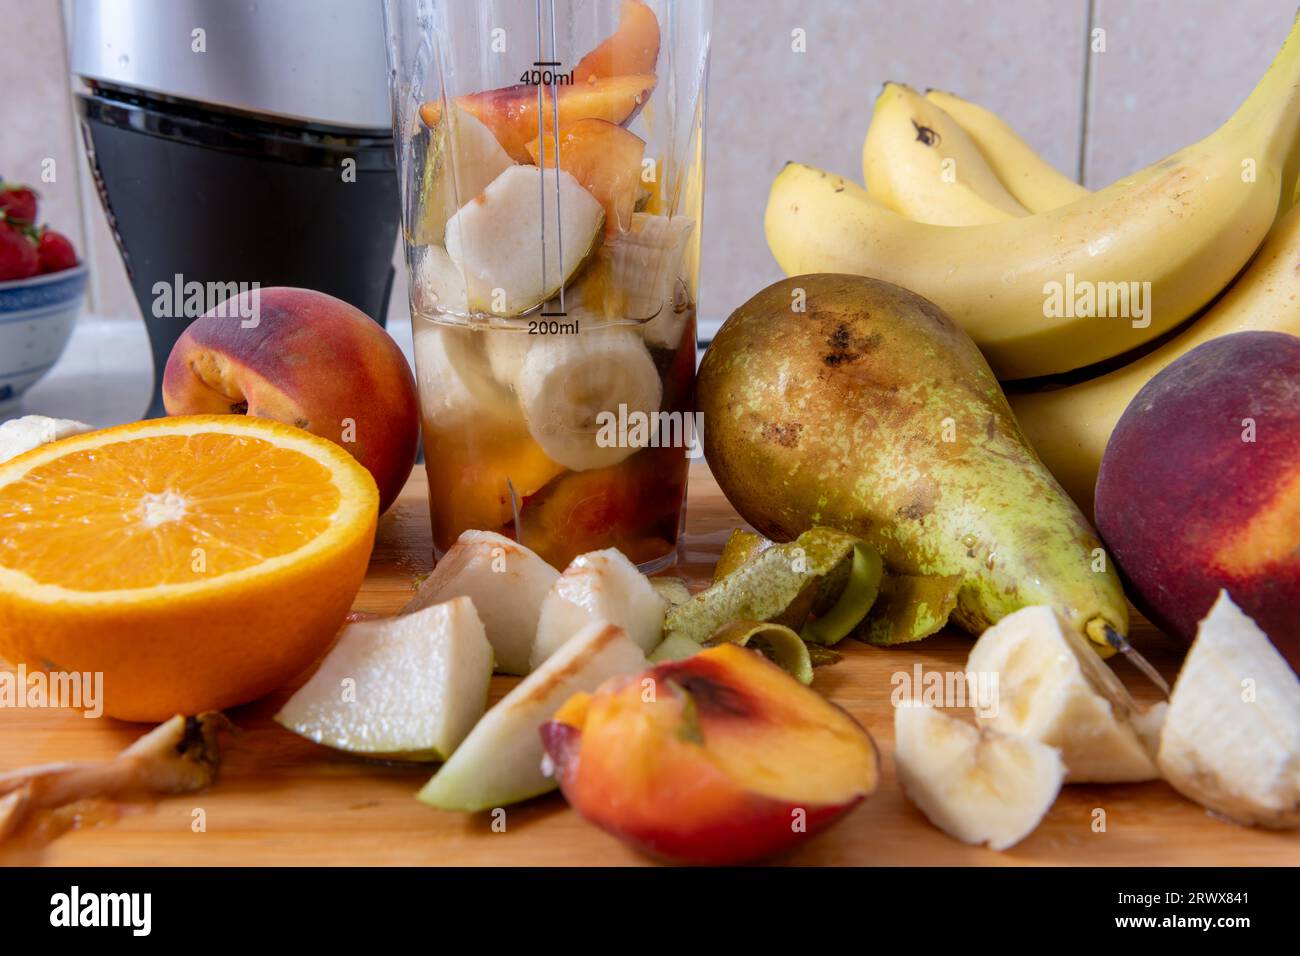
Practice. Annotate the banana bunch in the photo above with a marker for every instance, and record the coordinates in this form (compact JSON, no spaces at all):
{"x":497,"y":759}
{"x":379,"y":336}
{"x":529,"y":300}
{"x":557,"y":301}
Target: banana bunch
{"x":1048,"y":277}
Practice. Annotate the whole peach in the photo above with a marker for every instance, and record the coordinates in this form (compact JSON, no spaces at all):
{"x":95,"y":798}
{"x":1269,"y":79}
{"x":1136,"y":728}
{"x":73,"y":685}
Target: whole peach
{"x":306,"y":359}
{"x":1199,"y":487}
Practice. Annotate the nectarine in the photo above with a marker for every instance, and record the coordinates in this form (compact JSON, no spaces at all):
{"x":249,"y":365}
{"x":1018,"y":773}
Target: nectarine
{"x":1199,"y":487}
{"x":721,"y":758}
{"x":307,"y":359}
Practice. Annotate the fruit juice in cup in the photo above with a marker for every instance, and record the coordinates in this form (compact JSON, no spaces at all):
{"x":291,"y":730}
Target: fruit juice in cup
{"x":551,"y":163}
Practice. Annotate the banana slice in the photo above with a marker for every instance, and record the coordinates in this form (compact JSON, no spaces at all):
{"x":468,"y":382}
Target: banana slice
{"x":507,"y":583}
{"x":977,"y":785}
{"x":566,"y":382}
{"x":506,"y":350}
{"x":1231,"y":740}
{"x":599,"y":586}
{"x":1054,"y":688}
{"x":456,"y":381}
{"x":20,"y":435}
{"x":644,"y":264}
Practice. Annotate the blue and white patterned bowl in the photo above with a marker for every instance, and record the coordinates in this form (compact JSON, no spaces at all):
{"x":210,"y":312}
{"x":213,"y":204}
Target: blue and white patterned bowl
{"x":36,"y":320}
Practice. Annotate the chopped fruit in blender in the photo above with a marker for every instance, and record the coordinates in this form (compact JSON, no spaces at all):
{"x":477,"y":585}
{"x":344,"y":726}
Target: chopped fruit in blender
{"x":575,"y":387}
{"x":642,"y":267}
{"x":461,"y":162}
{"x":196,"y":562}
{"x":500,"y":762}
{"x":439,"y":283}
{"x":511,"y":112}
{"x":487,"y":567}
{"x":601,"y":586}
{"x":510,"y":252}
{"x":476,"y":442}
{"x":633,"y":48}
{"x":602,"y":156}
{"x":420,"y":684}
{"x":728,"y":760}
{"x":980,"y":786}
{"x":632,"y":506}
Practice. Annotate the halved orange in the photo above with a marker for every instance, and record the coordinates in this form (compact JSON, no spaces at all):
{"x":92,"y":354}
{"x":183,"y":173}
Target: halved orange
{"x":196,"y":562}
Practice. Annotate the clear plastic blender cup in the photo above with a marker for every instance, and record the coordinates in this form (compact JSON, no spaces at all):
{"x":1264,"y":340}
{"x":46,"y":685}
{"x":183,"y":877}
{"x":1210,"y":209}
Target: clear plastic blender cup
{"x":551,"y":161}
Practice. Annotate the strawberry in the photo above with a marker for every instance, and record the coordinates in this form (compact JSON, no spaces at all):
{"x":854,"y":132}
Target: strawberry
{"x":55,"y":251}
{"x":18,"y":203}
{"x":18,"y":258}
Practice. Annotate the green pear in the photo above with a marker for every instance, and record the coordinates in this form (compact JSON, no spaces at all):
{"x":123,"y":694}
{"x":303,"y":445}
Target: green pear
{"x":852,"y":403}
{"x":407,"y":688}
{"x":500,"y":762}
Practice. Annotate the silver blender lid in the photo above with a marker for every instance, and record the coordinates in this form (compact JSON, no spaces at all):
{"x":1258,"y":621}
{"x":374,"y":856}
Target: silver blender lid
{"x":320,"y":61}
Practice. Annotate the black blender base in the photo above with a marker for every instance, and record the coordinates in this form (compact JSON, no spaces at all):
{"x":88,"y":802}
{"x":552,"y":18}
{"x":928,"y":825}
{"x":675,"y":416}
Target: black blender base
{"x":200,"y":196}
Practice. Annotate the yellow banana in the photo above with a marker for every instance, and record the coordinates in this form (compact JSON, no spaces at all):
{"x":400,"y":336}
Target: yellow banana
{"x":1034,"y":182}
{"x":919,"y":162}
{"x":1069,"y":427}
{"x":1065,"y":288}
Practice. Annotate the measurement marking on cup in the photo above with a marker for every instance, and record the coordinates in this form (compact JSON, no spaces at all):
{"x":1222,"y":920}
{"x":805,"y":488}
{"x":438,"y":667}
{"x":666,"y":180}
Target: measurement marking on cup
{"x":536,"y":327}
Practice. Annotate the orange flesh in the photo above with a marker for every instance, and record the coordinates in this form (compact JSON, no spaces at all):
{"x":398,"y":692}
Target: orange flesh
{"x":133,"y":512}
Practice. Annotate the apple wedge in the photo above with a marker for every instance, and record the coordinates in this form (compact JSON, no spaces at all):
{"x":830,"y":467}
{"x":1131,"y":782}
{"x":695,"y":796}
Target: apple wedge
{"x":511,"y":112}
{"x":506,"y":582}
{"x":500,"y":762}
{"x":599,"y":586}
{"x":501,"y":239}
{"x":405,"y":688}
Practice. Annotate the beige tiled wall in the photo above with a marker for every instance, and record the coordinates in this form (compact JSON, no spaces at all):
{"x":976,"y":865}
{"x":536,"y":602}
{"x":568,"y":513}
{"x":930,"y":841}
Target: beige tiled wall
{"x":1172,"y":69}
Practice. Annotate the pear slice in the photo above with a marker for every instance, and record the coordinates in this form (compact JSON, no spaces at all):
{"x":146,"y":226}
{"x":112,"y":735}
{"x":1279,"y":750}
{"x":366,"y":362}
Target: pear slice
{"x":506,"y":582}
{"x":600,"y":586}
{"x":496,"y":239}
{"x":404,"y":688}
{"x":463,"y":159}
{"x":501,"y":760}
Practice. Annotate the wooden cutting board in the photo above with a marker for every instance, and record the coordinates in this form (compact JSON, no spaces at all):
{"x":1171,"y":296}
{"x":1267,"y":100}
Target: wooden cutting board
{"x":281,"y":800}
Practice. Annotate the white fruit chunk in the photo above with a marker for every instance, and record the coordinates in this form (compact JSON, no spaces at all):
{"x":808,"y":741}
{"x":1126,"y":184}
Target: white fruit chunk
{"x":464,"y":157}
{"x":1054,"y":688}
{"x":644,"y":264}
{"x":572,"y":387}
{"x":600,"y":586}
{"x":501,"y":760}
{"x":507,"y":583}
{"x":19,"y":435}
{"x":456,"y":383}
{"x":1231,"y":740}
{"x":439,"y":285}
{"x":506,"y":350}
{"x":409,"y":687}
{"x":977,"y":785}
{"x":496,"y":238}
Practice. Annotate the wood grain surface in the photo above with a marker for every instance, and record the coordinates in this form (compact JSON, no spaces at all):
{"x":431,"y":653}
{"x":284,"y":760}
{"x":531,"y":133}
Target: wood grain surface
{"x":282,"y":800}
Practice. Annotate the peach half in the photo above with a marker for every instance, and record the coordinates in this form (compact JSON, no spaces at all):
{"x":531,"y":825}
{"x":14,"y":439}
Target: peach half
{"x":721,"y":758}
